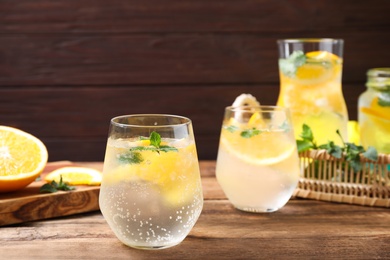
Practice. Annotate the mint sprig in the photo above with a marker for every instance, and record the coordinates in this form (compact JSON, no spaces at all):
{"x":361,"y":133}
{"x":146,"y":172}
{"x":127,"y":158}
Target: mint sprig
{"x":133,"y":156}
{"x":290,"y":65}
{"x":250,"y":133}
{"x":350,"y":151}
{"x":53,"y":186}
{"x":384,"y":98}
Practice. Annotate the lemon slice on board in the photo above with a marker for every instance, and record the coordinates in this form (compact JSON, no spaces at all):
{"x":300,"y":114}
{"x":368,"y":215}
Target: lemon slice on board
{"x":75,"y":176}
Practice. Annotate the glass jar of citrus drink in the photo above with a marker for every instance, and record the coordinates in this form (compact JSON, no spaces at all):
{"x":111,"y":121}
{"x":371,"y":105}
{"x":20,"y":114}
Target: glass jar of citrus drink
{"x":374,"y":111}
{"x":310,"y":73}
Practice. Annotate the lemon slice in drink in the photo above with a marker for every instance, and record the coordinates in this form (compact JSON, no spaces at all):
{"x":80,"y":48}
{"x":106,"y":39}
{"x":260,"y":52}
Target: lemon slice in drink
{"x":175,"y":174}
{"x":318,"y":69}
{"x":256,"y":119}
{"x":267,"y":148}
{"x":379,"y":115}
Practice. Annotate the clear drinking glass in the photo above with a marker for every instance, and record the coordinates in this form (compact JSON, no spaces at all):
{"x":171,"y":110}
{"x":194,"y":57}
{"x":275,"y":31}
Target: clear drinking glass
{"x":151,"y":193}
{"x":257,"y":163}
{"x":310,"y":73}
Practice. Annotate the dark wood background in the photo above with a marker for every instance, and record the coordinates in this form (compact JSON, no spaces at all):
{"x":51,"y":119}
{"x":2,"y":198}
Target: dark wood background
{"x":68,"y":66}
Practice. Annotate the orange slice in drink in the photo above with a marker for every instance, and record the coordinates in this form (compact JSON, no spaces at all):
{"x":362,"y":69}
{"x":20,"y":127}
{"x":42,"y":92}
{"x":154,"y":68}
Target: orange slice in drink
{"x":379,"y":115}
{"x":319,"y":68}
{"x":266,"y":148}
{"x":174,"y":173}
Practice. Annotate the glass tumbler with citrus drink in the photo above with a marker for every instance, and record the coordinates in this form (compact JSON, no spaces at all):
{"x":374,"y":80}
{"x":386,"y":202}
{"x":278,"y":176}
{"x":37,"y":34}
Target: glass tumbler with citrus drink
{"x":151,"y":193}
{"x":257,"y":163}
{"x":310,"y":73}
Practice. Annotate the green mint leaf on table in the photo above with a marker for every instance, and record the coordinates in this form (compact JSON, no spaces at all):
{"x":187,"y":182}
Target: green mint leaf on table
{"x":133,"y":156}
{"x":250,"y":133}
{"x":64,"y":186}
{"x":54,"y":187}
{"x":290,"y":65}
{"x":48,"y":188}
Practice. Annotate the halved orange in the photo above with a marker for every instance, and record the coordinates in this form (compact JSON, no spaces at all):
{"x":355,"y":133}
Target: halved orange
{"x":75,"y":176}
{"x":22,"y":158}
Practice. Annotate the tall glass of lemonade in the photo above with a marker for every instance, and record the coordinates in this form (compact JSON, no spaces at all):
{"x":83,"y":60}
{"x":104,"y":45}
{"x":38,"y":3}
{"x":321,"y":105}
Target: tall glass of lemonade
{"x":151,"y":193}
{"x":257,"y":163}
{"x":310,"y":73}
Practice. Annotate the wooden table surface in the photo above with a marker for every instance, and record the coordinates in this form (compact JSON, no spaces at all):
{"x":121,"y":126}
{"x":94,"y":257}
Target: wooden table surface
{"x":302,"y":229}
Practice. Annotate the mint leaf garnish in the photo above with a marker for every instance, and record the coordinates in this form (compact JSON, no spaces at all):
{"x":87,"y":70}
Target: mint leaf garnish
{"x":384,"y":98}
{"x":166,"y":148}
{"x":250,"y":133}
{"x":231,"y":128}
{"x":155,"y":139}
{"x":290,"y":65}
{"x":133,"y":155}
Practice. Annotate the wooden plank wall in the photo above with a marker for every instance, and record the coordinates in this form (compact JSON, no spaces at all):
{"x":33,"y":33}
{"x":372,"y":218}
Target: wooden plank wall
{"x":68,"y":66}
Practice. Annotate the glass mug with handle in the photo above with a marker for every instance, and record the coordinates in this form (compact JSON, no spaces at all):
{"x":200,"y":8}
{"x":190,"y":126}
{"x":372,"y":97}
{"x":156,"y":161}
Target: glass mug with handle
{"x":151,"y":193}
{"x":257,"y":164}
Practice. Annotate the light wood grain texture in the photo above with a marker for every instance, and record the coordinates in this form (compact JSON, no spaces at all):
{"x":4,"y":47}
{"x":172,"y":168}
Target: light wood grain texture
{"x":303,"y":229}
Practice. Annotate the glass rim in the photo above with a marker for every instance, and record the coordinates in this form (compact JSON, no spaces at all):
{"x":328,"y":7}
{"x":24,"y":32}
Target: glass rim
{"x":379,"y":72}
{"x":311,"y":40}
{"x":262,"y":108}
{"x":185,"y":120}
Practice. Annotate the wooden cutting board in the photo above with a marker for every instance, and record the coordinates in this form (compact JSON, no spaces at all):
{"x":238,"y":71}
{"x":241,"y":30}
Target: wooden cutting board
{"x":28,"y":204}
